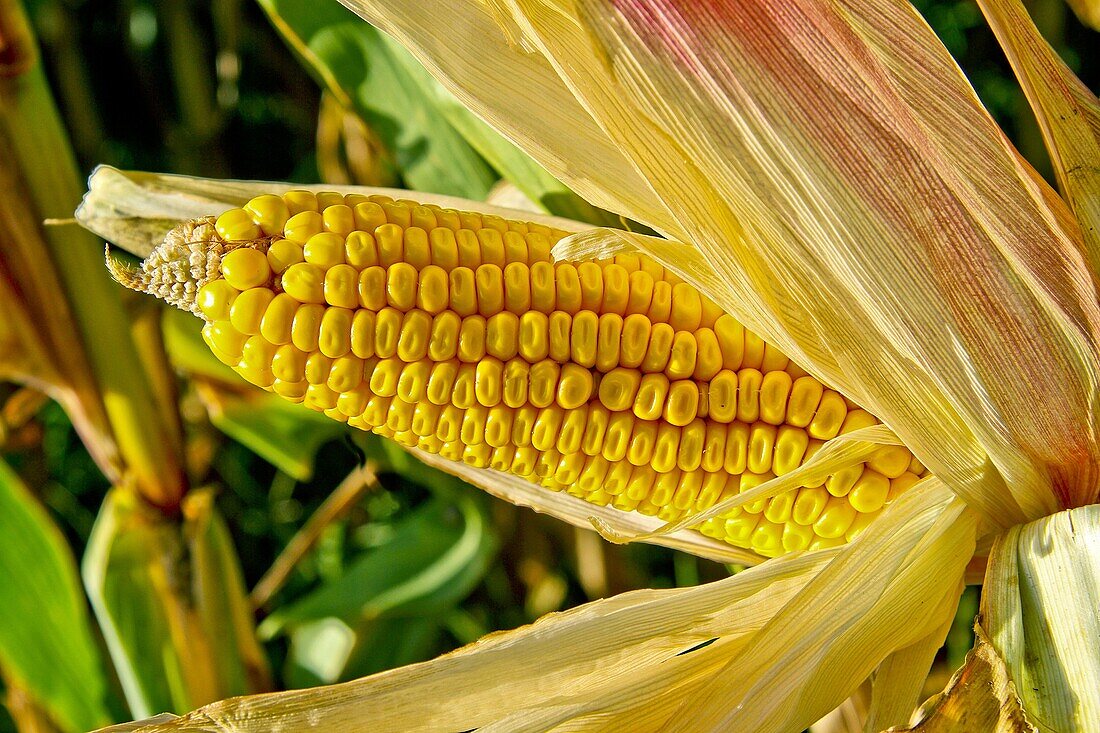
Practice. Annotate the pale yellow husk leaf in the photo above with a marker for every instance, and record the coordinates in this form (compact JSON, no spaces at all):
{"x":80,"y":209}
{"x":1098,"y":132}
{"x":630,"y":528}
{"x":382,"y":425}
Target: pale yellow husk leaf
{"x":1041,"y":610}
{"x":811,"y":624}
{"x":852,"y":202}
{"x":1067,"y":111}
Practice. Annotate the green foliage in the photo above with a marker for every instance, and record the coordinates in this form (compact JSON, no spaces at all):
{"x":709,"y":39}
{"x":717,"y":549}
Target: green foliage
{"x":46,"y":642}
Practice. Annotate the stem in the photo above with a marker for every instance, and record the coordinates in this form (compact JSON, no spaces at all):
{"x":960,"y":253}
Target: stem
{"x":43,"y":155}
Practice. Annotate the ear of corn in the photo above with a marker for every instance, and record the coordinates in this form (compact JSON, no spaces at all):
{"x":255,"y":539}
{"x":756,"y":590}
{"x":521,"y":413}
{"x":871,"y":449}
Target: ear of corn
{"x":456,"y":333}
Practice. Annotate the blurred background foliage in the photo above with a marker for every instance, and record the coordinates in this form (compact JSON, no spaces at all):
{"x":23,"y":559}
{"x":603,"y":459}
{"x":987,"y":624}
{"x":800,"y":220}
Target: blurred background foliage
{"x":352,"y":571}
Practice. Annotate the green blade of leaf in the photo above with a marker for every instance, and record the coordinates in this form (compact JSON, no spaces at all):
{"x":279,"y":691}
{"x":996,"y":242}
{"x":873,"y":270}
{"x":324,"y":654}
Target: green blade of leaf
{"x":514,"y":164}
{"x":432,"y":561}
{"x":46,"y":641}
{"x":350,"y":59}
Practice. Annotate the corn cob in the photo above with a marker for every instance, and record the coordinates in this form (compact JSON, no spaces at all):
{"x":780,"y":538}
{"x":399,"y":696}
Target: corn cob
{"x":456,"y":333}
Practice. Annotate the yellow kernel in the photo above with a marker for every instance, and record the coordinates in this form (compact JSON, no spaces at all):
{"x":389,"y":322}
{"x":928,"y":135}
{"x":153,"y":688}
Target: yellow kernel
{"x":387,"y":332}
{"x":492,"y":247}
{"x":289,"y":364}
{"x":517,"y":288}
{"x":306,"y":326}
{"x":667,"y":448}
{"x":463,"y":291}
{"x":489,"y":381}
{"x":390,"y":239}
{"x":443,"y":248}
{"x":319,"y":397}
{"x":582,"y":338}
{"x":401,"y":285}
{"x":775,"y":388}
{"x":682,"y":356}
{"x":298,"y":201}
{"x":417,"y":250}
{"x":282,"y":254}
{"x":640,"y":294}
{"x":773,"y":360}
{"x":501,"y":334}
{"x":543,"y":287}
{"x":754,"y":351}
{"x":432,"y":295}
{"x":790,"y":446}
{"x":303,"y":225}
{"x":372,"y":288}
{"x":571,"y":434}
{"x":236,"y":225}
{"x":215,"y":299}
{"x":560,"y":325}
{"x":660,"y":305}
{"x":523,"y":423}
{"x":544,"y":436}
{"x":568,"y":288}
{"x":471,"y":339}
{"x":245,"y":268}
{"x":248,"y":309}
{"x":444,"y":339}
{"x":891,"y":461}
{"x":426,"y":419}
{"x":489,"y":283}
{"x":334,"y":339}
{"x":326,"y":199}
{"x":498,"y":426}
{"x":515,"y":248}
{"x":469,"y":248}
{"x":608,"y":338}
{"x":533,"y":339}
{"x":441,"y":382}
{"x":687,"y":308}
{"x":869,"y":492}
{"x":293,"y":391}
{"x":714,"y":447}
{"x":652,"y":393}
{"x":683,"y":402}
{"x":399,"y":416}
{"x":659,"y":349}
{"x":619,"y":387}
{"x":595,"y":429}
{"x":225,"y":341}
{"x":841,"y":482}
{"x":543,"y":383}
{"x":634,"y":341}
{"x":341,"y":286}
{"x":412,"y":385}
{"x":731,"y":340}
{"x":416,"y":329}
{"x":385,"y":377}
{"x":574,"y":386}
{"x":829,"y":416}
{"x":346,"y":374}
{"x":516,"y":375}
{"x":318,"y":367}
{"x":324,"y":249}
{"x":362,"y":333}
{"x":761,"y":445}
{"x":339,"y":219}
{"x":689,"y":456}
{"x":737,"y":448}
{"x":835,"y":519}
{"x":368,"y":216}
{"x":269,"y":212}
{"x":642,"y":442}
{"x":856,"y":420}
{"x":305,"y":283}
{"x":805,"y":397}
{"x":359,"y":250}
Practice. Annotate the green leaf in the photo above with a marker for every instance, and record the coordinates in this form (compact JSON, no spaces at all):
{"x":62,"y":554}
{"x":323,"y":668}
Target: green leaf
{"x":514,"y":164}
{"x":46,"y":641}
{"x":351,"y":60}
{"x":169,"y":598}
{"x":433,"y":559}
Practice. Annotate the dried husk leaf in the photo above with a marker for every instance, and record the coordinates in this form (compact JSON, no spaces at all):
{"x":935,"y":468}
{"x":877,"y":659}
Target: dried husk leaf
{"x":980,"y":697}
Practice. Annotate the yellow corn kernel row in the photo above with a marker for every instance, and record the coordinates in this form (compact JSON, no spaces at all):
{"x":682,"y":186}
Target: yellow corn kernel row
{"x":455,"y":333}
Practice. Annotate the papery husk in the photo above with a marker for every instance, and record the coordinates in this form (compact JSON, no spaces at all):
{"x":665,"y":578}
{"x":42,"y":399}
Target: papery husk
{"x":980,"y":697}
{"x":1041,"y":609}
{"x":841,"y":191}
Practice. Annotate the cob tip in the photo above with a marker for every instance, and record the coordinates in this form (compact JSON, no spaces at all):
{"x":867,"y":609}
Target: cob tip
{"x":189,"y":257}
